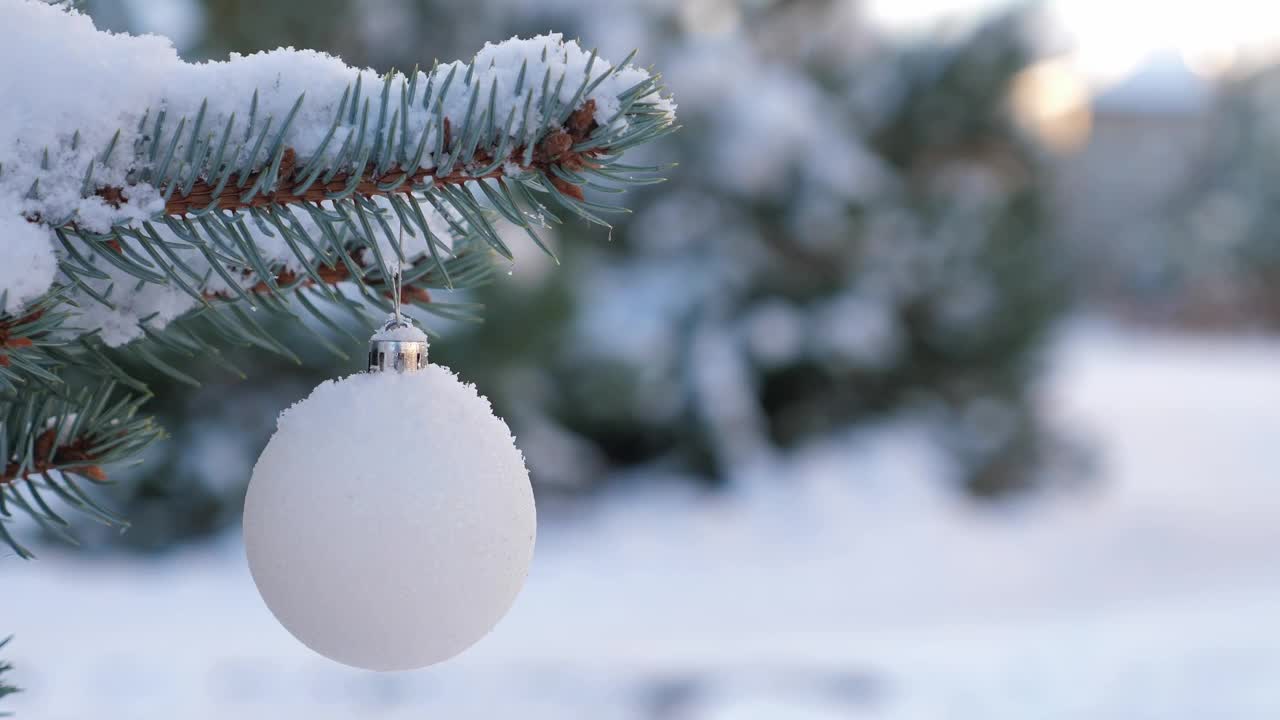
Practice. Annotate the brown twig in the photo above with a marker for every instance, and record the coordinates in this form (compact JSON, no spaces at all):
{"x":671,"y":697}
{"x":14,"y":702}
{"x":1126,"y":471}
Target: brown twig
{"x":555,"y":149}
{"x":331,"y":275}
{"x":73,"y":457}
{"x":8,"y":339}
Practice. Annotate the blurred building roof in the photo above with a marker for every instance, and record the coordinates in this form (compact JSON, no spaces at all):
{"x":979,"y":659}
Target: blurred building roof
{"x":1161,"y":84}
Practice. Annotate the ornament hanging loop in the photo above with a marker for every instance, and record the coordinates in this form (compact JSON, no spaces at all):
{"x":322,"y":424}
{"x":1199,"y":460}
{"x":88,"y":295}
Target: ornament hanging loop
{"x":397,"y":347}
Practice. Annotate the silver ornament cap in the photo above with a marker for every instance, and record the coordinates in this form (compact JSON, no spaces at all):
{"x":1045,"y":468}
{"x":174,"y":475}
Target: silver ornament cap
{"x":398,"y":347}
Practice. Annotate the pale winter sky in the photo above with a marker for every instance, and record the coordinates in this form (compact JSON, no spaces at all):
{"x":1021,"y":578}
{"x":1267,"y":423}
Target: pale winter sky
{"x":1111,"y":39}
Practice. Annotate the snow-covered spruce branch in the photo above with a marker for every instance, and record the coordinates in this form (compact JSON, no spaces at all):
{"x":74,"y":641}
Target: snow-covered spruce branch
{"x":284,"y":162}
{"x":285,"y":181}
{"x":52,"y":439}
{"x":147,"y":204}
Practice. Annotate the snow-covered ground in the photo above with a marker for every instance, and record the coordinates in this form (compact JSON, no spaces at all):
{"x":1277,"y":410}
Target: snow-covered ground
{"x":841,"y":583}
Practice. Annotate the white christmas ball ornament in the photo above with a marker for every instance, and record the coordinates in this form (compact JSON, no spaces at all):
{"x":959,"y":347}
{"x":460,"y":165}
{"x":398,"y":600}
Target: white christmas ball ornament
{"x":389,"y":522}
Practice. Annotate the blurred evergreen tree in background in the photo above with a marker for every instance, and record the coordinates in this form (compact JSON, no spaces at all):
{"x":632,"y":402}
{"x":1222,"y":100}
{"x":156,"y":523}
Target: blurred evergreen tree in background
{"x":855,"y":229}
{"x":1223,"y":269}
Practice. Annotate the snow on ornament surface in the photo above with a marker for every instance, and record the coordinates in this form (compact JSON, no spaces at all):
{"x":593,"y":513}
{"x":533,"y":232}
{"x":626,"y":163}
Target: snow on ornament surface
{"x":389,"y":523}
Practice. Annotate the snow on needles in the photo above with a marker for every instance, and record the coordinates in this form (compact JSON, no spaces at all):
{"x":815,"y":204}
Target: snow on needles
{"x":27,"y":263}
{"x":70,"y":88}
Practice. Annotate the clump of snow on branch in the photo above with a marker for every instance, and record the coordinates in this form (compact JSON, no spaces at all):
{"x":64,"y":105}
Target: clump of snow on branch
{"x":86,"y":101}
{"x":27,"y":264}
{"x":73,"y":78}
